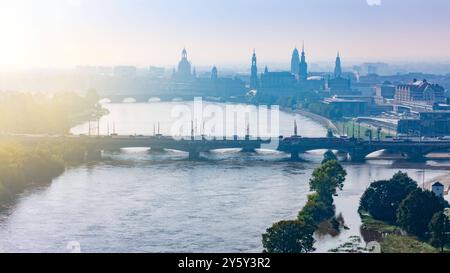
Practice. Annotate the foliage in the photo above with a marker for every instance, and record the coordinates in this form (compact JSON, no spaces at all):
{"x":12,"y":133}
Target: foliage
{"x":327,"y":178}
{"x":297,"y":236}
{"x":325,"y":110}
{"x":383,"y":197}
{"x":289,"y":237}
{"x":439,"y":228}
{"x":416,"y":210}
{"x":328,"y":156}
{"x":316,"y":210}
{"x":22,"y":166}
{"x":39,"y":113}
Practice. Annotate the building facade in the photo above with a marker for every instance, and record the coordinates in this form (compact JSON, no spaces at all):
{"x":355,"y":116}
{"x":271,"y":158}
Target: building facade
{"x":432,"y":124}
{"x":421,"y":92}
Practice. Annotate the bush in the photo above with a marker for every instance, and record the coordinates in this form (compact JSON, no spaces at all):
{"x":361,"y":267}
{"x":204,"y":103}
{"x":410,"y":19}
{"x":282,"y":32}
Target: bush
{"x":289,"y":237}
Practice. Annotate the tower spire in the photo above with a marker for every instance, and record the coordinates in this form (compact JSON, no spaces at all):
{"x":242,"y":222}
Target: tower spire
{"x":338,"y":67}
{"x":254,"y":72}
{"x":295,"y":128}
{"x":303,"y":66}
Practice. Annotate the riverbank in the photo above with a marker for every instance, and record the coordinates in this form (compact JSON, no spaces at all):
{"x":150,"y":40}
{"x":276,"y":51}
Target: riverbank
{"x":325,"y":122}
{"x":391,"y":238}
{"x":22,"y":167}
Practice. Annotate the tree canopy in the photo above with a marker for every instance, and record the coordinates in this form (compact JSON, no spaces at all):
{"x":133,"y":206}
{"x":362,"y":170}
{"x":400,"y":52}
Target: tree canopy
{"x":291,"y":236}
{"x":383,"y":197}
{"x":328,"y":156}
{"x":416,"y":210}
{"x":439,"y":228}
{"x":327,"y":179}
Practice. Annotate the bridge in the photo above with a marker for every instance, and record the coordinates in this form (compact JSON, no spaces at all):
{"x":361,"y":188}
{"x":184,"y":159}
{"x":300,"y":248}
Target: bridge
{"x":357,"y":149}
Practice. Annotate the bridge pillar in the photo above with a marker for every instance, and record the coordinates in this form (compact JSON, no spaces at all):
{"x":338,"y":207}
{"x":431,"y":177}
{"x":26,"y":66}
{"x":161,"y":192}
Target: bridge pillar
{"x":295,"y":156}
{"x":248,"y":150}
{"x":156,"y":150}
{"x":93,"y":155}
{"x":194,"y":155}
{"x":415,"y":155}
{"x":357,"y":156}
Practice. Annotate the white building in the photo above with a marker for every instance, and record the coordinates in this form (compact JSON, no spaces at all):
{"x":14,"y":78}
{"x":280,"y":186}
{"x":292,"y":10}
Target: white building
{"x":438,"y":189}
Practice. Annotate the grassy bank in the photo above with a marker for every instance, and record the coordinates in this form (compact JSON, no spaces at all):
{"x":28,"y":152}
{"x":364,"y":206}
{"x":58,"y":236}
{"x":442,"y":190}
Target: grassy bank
{"x":391,"y":238}
{"x":25,"y":113}
{"x":26,"y":166}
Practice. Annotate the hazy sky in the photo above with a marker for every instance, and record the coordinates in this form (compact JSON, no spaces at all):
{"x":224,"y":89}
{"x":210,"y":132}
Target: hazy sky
{"x":65,"y":33}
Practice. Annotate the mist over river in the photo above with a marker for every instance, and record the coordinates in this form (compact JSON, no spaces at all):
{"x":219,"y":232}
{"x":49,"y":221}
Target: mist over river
{"x":138,"y":201}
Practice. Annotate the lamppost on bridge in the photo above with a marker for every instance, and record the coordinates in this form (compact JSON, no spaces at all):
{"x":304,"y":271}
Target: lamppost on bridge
{"x":359,"y":128}
{"x":353,"y":128}
{"x":192,"y":130}
{"x":295,"y":128}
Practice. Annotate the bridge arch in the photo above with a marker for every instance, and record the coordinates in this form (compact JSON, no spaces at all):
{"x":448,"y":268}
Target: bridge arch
{"x":129,"y":100}
{"x":104,"y":101}
{"x":154,"y":99}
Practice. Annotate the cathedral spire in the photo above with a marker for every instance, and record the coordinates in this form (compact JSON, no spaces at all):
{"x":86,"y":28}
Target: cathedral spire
{"x":254,"y":72}
{"x":338,"y":67}
{"x":303,"y":66}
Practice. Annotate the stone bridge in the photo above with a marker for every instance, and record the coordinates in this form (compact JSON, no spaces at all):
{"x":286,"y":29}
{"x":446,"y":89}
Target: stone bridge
{"x":357,"y":149}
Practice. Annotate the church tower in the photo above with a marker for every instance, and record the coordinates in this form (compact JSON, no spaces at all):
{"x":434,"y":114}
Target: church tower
{"x":338,"y":68}
{"x":303,"y":67}
{"x":295,"y":62}
{"x":254,"y":73}
{"x":184,"y":68}
{"x":214,"y":74}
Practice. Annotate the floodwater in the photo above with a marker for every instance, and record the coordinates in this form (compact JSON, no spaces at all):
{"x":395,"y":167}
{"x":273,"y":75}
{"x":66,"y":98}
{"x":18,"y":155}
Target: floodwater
{"x":138,"y":201}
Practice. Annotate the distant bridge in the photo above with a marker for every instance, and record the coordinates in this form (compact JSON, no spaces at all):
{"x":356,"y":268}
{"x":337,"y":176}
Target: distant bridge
{"x":357,"y":149}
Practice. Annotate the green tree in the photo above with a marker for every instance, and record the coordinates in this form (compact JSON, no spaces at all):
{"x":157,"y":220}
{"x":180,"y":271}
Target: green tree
{"x":316,"y":210}
{"x":289,"y":237}
{"x":328,"y":156}
{"x":416,"y":210}
{"x":383,"y":197}
{"x":327,"y":178}
{"x":439,"y":228}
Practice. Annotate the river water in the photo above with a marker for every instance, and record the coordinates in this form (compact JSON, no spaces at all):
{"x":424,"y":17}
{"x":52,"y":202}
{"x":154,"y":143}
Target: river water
{"x":138,"y":201}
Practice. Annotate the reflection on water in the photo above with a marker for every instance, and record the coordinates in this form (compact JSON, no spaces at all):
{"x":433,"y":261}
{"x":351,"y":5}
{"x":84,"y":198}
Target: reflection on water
{"x":142,"y":201}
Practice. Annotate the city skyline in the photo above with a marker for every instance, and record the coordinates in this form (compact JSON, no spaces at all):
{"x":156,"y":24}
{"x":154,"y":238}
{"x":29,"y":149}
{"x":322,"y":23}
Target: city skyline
{"x":68,"y":33}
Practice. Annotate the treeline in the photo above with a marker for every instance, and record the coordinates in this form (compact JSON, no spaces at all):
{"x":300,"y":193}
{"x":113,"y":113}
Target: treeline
{"x":296,"y":236}
{"x":21,"y":167}
{"x":291,"y":101}
{"x":324,"y":110}
{"x":27,"y":113}
{"x":400,"y":202}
